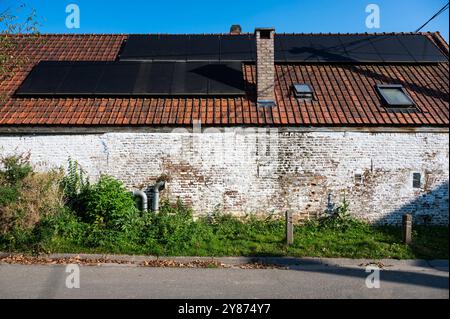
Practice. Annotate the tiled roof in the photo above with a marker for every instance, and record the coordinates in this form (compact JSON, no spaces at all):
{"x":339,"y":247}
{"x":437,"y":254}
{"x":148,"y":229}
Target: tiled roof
{"x":345,"y":93}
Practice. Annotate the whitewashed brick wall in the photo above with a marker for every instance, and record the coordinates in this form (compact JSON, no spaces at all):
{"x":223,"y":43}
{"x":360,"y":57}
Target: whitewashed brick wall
{"x":242,"y":173}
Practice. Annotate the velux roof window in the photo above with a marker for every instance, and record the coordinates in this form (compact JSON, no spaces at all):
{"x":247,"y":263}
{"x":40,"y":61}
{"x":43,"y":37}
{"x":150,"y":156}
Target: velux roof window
{"x":303,"y":91}
{"x":395,"y":96}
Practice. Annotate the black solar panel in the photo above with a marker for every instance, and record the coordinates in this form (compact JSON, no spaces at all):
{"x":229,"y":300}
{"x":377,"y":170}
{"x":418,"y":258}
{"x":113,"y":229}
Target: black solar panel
{"x":288,"y":48}
{"x":422,"y":49}
{"x":134,"y":79}
{"x":140,"y":47}
{"x":237,"y":48}
{"x":391,"y":49}
{"x":359,"y":48}
{"x":174,"y":48}
{"x":279,"y":50}
{"x":117,"y":78}
{"x":186,"y":79}
{"x":203,"y":48}
{"x":158,"y":80}
{"x":156,"y":48}
{"x":217,"y":68}
{"x":142,"y":84}
{"x":309,"y":48}
{"x":297,"y":48}
{"x":328,"y":48}
{"x":223,"y":78}
{"x":82,"y":77}
{"x":190,"y":48}
{"x":46,"y":78}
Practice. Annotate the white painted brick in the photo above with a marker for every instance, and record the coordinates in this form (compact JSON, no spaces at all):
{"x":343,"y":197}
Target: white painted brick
{"x":232,"y":172}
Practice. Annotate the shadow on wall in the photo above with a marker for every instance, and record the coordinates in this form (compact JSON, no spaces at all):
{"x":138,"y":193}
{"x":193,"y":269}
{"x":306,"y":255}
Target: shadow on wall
{"x":428,"y":208}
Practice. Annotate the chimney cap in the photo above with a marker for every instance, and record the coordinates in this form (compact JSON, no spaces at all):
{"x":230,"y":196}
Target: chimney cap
{"x":264,"y":29}
{"x":235,"y":29}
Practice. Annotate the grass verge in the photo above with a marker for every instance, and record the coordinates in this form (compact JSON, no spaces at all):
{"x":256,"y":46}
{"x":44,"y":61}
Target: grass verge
{"x":174,"y":232}
{"x":56,"y":213}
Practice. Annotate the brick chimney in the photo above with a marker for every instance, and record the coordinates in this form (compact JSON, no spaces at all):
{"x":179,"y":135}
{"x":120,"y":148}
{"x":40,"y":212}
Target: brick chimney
{"x":265,"y":66}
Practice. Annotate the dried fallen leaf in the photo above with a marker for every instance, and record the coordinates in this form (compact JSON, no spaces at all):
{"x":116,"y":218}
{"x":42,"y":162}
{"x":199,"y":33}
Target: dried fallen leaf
{"x":168,"y":263}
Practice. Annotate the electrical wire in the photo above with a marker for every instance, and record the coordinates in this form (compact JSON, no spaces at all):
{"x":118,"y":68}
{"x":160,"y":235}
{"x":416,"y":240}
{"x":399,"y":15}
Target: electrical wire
{"x":434,"y":16}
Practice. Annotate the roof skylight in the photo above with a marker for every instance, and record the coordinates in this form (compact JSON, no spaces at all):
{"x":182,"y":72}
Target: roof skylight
{"x":395,"y":96}
{"x":303,"y":91}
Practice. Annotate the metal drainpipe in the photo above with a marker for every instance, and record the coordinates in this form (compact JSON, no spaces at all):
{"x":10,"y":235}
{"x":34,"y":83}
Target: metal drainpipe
{"x":330,"y":205}
{"x":144,"y":199}
{"x":155,"y":200}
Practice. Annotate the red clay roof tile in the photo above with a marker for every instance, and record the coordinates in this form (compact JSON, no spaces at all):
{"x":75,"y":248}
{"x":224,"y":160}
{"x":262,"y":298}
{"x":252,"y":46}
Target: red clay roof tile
{"x":344,"y":93}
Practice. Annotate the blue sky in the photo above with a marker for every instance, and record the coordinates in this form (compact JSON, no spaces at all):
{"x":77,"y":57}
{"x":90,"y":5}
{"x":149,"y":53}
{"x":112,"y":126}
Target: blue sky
{"x":175,"y":16}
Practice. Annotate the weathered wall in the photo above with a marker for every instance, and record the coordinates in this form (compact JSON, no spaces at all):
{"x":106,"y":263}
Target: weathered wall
{"x":241,"y":172}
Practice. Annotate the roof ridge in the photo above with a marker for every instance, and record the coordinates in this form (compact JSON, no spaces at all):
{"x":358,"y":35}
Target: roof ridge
{"x":435,"y":33}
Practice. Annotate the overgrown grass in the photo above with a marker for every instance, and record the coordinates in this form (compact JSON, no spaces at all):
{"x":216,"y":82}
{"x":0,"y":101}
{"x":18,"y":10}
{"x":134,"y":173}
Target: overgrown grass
{"x":173,"y":232}
{"x":102,"y":218}
{"x":27,"y":196}
{"x":364,"y":241}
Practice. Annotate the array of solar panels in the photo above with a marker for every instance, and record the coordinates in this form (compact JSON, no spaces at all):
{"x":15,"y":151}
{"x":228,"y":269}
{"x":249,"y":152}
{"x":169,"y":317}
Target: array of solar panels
{"x":288,"y":48}
{"x":211,"y":64}
{"x":50,"y":78}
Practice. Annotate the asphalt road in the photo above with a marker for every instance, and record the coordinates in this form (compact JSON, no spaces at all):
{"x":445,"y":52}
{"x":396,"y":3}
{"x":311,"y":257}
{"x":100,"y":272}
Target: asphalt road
{"x":125,"y":281}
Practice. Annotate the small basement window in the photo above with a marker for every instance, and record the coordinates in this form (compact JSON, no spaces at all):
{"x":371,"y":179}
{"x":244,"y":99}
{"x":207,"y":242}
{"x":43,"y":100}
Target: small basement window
{"x":395,"y":96}
{"x":303,"y":91}
{"x":359,"y":179}
{"x":416,"y":180}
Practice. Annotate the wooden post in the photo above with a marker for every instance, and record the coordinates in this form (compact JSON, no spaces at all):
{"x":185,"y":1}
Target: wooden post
{"x":289,"y":229}
{"x":407,"y":229}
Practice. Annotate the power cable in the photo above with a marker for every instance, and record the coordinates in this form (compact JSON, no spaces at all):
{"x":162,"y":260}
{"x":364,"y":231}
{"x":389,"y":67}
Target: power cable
{"x":434,"y":16}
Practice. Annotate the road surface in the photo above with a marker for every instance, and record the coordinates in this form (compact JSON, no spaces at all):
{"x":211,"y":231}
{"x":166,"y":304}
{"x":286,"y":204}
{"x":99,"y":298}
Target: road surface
{"x":130,"y":281}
